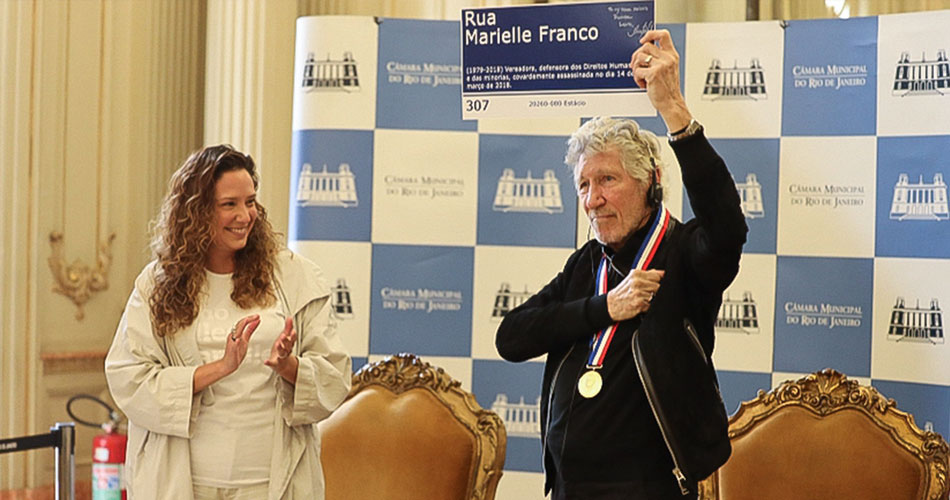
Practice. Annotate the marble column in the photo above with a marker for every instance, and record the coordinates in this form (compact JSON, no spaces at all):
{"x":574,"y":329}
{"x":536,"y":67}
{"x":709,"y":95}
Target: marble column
{"x":101,"y":100}
{"x":249,"y":89}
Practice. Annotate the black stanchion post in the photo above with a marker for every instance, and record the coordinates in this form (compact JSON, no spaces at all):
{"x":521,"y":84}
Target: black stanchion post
{"x":65,"y":460}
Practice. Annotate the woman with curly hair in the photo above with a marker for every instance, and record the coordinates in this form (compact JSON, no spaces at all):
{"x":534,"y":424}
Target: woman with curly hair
{"x":225,"y":357}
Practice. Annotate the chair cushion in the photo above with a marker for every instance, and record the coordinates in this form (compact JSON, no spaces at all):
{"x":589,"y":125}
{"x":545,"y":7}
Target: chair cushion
{"x":385,"y":446}
{"x":794,"y":454}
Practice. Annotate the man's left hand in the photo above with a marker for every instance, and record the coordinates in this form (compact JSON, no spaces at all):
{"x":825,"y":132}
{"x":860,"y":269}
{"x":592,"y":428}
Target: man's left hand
{"x":656,"y":67}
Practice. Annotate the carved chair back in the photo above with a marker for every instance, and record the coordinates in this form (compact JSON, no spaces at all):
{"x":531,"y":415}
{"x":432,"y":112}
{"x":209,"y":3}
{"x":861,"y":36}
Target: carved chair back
{"x":408,"y":431}
{"x":827,"y":437}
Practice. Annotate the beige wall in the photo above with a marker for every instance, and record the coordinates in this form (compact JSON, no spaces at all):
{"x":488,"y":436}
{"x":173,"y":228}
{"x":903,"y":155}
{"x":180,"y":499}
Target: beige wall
{"x":100,"y":99}
{"x":99,"y":102}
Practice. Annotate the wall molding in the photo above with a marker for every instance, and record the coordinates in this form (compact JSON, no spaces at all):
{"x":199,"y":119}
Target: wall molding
{"x":79,"y":281}
{"x":73,"y":362}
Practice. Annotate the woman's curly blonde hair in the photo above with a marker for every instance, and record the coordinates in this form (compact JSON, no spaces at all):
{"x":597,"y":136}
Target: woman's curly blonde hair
{"x":182,"y":235}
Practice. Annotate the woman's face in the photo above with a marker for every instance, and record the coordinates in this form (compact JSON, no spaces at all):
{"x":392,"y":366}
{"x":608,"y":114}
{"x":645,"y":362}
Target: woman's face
{"x":235,"y":211}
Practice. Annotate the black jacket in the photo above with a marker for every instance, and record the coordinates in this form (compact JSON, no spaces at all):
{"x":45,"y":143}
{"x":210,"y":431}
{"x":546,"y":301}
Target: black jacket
{"x":659,"y":366}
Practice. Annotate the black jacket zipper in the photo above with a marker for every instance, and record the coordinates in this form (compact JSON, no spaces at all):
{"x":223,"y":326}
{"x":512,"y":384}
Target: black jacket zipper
{"x":667,"y":437}
{"x":547,"y":423}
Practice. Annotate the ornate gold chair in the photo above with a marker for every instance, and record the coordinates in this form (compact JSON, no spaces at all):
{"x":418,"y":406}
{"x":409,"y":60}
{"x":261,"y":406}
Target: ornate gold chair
{"x":408,"y":431}
{"x":828,"y":437}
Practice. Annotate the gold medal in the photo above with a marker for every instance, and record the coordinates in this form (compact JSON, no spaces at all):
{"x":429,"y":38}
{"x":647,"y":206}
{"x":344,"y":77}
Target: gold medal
{"x":590,"y":383}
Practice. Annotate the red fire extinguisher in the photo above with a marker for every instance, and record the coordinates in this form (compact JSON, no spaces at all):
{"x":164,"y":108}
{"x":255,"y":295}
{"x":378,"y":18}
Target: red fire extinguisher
{"x":108,"y":453}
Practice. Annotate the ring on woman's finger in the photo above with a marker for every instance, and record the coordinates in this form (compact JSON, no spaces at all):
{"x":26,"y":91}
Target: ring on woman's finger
{"x":647,"y":60}
{"x":233,"y":333}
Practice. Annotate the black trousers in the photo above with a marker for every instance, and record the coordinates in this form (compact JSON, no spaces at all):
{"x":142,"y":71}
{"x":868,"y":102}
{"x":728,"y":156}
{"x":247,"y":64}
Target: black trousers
{"x":659,"y":489}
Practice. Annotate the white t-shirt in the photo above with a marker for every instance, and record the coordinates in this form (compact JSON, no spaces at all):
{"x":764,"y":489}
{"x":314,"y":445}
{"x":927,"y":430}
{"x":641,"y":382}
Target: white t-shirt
{"x":232,"y":439}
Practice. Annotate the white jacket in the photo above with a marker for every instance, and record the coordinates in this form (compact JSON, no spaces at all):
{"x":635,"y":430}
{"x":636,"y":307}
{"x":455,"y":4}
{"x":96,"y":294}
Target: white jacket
{"x":150,"y":378}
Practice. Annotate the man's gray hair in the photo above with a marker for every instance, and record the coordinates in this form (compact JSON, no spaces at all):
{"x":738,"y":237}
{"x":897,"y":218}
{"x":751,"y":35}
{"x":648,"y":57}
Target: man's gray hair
{"x":635,"y":145}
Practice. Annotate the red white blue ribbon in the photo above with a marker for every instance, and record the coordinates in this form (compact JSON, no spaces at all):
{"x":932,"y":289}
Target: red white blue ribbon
{"x":601,"y":341}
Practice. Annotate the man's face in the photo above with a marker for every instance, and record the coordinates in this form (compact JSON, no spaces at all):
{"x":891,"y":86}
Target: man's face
{"x":615,"y":202}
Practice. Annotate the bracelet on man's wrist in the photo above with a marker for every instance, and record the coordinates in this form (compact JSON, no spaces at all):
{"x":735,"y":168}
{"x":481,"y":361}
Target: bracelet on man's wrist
{"x":687,"y":131}
{"x":680,"y":131}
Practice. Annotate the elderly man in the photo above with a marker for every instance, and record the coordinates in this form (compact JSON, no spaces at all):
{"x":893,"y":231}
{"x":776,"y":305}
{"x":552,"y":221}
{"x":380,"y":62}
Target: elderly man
{"x":630,"y":405}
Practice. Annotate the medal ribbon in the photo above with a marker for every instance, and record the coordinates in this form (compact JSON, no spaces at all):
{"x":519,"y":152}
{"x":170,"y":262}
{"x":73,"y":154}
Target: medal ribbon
{"x":601,"y":341}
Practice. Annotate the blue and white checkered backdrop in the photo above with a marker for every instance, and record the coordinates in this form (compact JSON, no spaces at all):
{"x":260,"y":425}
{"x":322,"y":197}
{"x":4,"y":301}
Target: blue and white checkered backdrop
{"x":431,"y":228}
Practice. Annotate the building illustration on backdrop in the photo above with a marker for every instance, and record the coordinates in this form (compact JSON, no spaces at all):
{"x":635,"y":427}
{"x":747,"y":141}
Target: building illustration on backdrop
{"x":506,"y":300}
{"x":339,"y":75}
{"x":920,"y":200}
{"x":738,"y":315}
{"x":521,"y":419}
{"x":750,"y":193}
{"x":527,"y":194}
{"x":341,"y":305}
{"x":916,"y":324}
{"x":735,"y":82}
{"x":327,"y":189}
{"x":922,"y":77}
